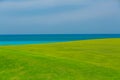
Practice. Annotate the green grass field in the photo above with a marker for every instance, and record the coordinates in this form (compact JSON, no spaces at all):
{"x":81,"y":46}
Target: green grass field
{"x":75,"y":60}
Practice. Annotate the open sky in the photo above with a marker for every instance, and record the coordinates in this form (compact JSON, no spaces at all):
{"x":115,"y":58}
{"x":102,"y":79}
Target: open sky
{"x":59,"y":17}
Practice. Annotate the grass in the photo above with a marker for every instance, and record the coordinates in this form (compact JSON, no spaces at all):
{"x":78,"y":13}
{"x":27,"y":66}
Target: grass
{"x":75,"y":60}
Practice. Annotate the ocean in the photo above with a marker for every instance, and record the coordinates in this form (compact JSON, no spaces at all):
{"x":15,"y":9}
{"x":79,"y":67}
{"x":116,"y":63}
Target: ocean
{"x":50,"y":38}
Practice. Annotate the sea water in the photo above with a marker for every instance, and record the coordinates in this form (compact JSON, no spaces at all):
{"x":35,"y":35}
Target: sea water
{"x":50,"y":38}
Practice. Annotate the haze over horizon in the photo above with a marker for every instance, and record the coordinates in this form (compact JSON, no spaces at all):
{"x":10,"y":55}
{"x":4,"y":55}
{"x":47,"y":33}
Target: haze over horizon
{"x":59,"y":17}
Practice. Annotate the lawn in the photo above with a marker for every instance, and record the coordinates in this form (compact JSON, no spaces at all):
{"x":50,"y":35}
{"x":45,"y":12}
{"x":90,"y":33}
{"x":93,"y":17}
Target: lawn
{"x":97,"y":59}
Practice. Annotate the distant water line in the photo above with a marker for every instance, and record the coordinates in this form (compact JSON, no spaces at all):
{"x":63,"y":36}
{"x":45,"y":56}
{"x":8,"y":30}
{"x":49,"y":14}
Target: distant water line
{"x":50,"y":38}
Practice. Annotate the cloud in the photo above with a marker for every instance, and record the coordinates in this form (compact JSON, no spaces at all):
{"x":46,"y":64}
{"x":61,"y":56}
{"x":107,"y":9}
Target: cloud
{"x":40,"y":15}
{"x":98,"y":10}
{"x":14,"y":5}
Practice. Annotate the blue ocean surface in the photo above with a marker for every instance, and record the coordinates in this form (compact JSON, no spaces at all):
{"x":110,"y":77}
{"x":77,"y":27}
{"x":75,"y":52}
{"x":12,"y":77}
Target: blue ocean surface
{"x":25,"y":42}
{"x":50,"y":38}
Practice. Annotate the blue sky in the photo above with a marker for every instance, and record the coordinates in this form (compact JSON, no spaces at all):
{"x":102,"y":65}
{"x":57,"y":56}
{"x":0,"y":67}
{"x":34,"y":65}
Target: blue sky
{"x":59,"y":17}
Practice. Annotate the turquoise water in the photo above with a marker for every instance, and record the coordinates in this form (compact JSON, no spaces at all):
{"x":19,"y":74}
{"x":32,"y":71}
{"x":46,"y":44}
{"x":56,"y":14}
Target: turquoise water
{"x":24,"y":42}
{"x":50,"y":38}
